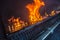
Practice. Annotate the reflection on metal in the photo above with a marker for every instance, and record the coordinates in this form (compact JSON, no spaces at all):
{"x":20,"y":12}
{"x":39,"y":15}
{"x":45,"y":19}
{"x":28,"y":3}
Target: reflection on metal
{"x":42,"y":37}
{"x":36,"y":32}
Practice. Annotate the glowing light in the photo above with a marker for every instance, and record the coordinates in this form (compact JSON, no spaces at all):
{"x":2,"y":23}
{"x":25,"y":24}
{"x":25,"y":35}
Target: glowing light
{"x":46,"y":14}
{"x":34,"y":15}
{"x":16,"y":24}
{"x":52,"y":13}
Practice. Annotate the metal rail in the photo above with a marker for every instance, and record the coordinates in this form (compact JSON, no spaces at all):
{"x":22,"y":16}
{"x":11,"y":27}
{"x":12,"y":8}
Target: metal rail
{"x":38,"y":31}
{"x":50,"y":30}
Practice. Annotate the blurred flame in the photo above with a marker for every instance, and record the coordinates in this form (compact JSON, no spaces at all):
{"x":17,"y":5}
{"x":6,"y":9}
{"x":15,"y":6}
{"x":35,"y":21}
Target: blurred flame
{"x":46,"y":14}
{"x":16,"y":24}
{"x":34,"y":15}
{"x":52,"y":13}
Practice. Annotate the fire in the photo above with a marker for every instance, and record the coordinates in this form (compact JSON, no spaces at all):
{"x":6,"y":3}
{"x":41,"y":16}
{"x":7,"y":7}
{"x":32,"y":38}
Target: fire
{"x":34,"y":15}
{"x":52,"y":13}
{"x":16,"y":24}
{"x":46,"y":14}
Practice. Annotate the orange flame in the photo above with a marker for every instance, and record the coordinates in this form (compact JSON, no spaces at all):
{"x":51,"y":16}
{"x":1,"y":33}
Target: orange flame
{"x":34,"y":15}
{"x":46,"y":14}
{"x":16,"y":24}
{"x":52,"y":13}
